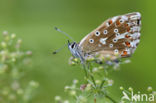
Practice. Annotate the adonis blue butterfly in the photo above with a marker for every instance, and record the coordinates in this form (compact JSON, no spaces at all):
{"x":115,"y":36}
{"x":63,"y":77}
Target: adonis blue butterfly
{"x":119,"y":35}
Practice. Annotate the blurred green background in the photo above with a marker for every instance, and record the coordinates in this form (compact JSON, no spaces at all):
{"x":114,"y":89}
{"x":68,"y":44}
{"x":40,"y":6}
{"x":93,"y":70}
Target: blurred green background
{"x":33,"y":21}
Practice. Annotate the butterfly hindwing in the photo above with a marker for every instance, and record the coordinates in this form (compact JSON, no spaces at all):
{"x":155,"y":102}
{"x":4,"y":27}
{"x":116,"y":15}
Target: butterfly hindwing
{"x":117,"y":35}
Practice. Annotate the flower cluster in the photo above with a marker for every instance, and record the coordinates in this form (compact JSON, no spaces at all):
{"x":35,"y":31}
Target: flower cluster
{"x":75,"y":91}
{"x":96,"y":82}
{"x":13,"y":68}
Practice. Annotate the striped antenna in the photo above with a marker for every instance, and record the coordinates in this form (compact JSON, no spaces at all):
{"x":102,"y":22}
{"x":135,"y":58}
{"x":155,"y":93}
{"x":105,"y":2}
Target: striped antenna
{"x":64,"y":33}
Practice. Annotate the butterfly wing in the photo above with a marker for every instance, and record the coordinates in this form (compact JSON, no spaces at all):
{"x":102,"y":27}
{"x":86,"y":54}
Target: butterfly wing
{"x":117,"y":35}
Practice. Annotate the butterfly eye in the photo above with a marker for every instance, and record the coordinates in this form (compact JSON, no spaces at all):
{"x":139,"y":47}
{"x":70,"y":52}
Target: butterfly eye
{"x":72,"y":46}
{"x":105,"y":32}
{"x":116,"y":51}
{"x":97,"y":33}
{"x":115,"y":40}
{"x":116,"y":30}
{"x":110,"y":45}
{"x":117,"y":34}
{"x":138,"y":22}
{"x":121,"y":20}
{"x":91,"y":40}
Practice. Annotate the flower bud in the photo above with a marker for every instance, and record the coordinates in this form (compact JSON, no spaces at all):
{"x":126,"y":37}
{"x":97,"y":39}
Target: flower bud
{"x":154,"y":93}
{"x":66,"y":88}
{"x":13,"y":59}
{"x":29,"y":53}
{"x":5,"y":33}
{"x":66,"y":101}
{"x":130,"y":89}
{"x":127,"y":61}
{"x":19,"y":91}
{"x":13,"y":36}
{"x":57,"y":98}
{"x":88,"y":87}
{"x":83,"y":86}
{"x":72,"y":63}
{"x":101,"y":67}
{"x":75,"y":59}
{"x":89,"y":59}
{"x":33,"y":84}
{"x":110,"y":82}
{"x":98,"y":81}
{"x":3,"y":44}
{"x":19,"y":41}
{"x":121,"y":88}
{"x":95,"y":70}
{"x":149,"y":89}
{"x":75,"y":81}
{"x":73,"y":93}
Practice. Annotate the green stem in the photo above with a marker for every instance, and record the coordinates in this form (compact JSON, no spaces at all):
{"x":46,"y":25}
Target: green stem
{"x":85,"y":70}
{"x":93,"y":80}
{"x":91,"y":76}
{"x":110,"y":99}
{"x":102,"y":84}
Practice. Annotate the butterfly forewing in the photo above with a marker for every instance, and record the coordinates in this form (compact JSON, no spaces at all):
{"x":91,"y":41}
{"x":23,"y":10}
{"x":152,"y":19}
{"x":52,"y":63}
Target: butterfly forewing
{"x":117,"y":35}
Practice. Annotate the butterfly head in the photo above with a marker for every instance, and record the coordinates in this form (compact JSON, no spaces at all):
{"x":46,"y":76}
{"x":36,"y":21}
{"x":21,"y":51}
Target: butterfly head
{"x":75,"y":50}
{"x":73,"y":47}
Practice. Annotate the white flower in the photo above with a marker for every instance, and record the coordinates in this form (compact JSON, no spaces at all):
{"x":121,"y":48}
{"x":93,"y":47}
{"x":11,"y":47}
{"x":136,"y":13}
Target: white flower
{"x":98,"y":81}
{"x":149,"y":88}
{"x":110,"y":82}
{"x":13,"y":36}
{"x":73,"y":93}
{"x":19,"y":41}
{"x":121,"y":88}
{"x":5,"y":33}
{"x":66,"y":87}
{"x":66,"y":101}
{"x":3,"y":44}
{"x":75,"y":81}
{"x":130,"y":89}
{"x":57,"y":98}
{"x":127,"y":61}
{"x":95,"y":69}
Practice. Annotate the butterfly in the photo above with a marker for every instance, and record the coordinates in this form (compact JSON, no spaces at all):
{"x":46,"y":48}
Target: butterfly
{"x":119,"y":35}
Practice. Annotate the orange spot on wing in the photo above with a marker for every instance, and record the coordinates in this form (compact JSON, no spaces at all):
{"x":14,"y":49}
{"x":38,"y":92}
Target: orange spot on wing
{"x":126,"y":24}
{"x":128,"y":29}
{"x":128,"y":44}
{"x":110,"y":21}
{"x":124,"y":53}
{"x":118,"y":22}
{"x":127,"y":36}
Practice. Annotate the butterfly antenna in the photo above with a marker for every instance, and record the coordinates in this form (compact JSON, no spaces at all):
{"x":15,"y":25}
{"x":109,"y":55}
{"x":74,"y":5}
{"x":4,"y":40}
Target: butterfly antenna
{"x":58,"y":50}
{"x":64,"y":33}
